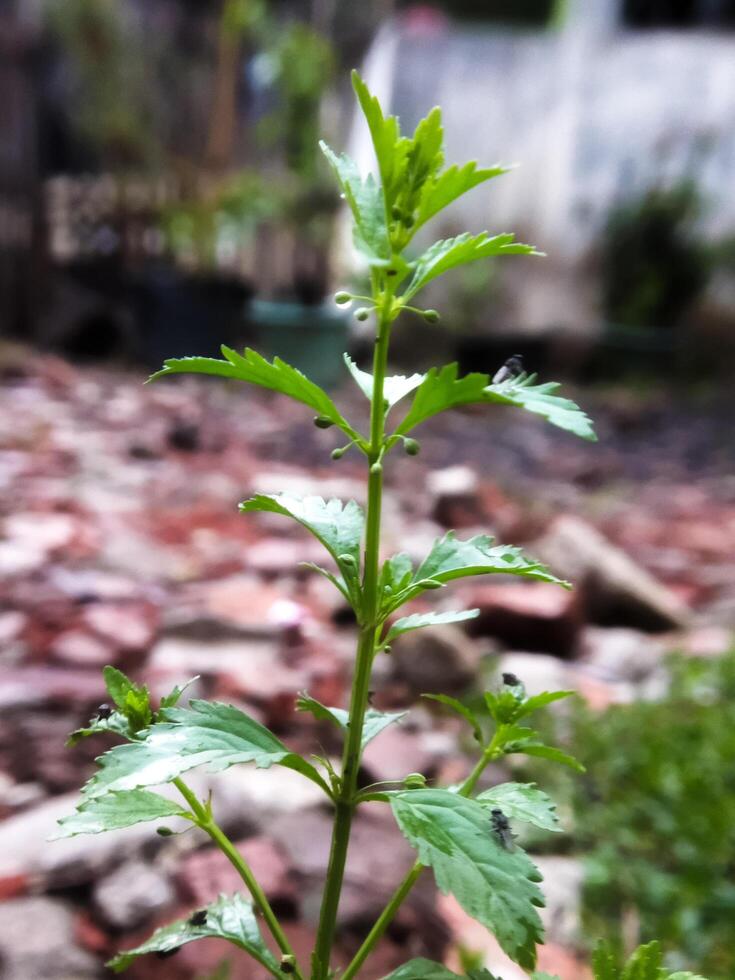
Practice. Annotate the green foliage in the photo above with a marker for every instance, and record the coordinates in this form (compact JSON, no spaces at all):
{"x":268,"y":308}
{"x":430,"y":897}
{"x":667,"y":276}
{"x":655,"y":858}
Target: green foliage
{"x":656,"y":815}
{"x":251,"y":367}
{"x":375,"y":721}
{"x":419,"y":620}
{"x":118,"y":809}
{"x":205,"y":734}
{"x":496,"y":886}
{"x":646,"y":963}
{"x":522,"y":801}
{"x":230,"y":918}
{"x":422,"y":969}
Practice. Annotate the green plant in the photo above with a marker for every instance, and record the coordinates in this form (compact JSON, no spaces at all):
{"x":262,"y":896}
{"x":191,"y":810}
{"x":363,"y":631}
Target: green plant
{"x":656,"y":816}
{"x":646,"y":963}
{"x":464,"y":836}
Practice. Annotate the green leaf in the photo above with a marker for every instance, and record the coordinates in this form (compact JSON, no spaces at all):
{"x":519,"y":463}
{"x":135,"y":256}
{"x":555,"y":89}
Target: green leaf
{"x":533,"y":746}
{"x":339,"y":527}
{"x":460,"y":709}
{"x":496,"y":886}
{"x":451,"y":559}
{"x":230,"y":918}
{"x":418,"y":620}
{"x":116,"y":724}
{"x":645,"y":964}
{"x":204,"y":734}
{"x":441,"y":389}
{"x":450,"y":185}
{"x":133,"y":700}
{"x":421,"y":969}
{"x":375,"y":721}
{"x":276,"y":376}
{"x":172,"y":699}
{"x":449,"y":253}
{"x":540,"y":701}
{"x":366,"y":201}
{"x":390,"y":147}
{"x":522,"y":801}
{"x":541,"y":400}
{"x":394,"y":388}
{"x":604,"y":963}
{"x":116,"y":810}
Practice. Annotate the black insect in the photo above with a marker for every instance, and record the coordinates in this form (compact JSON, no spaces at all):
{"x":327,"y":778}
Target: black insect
{"x":371,"y":695}
{"x":501,"y":829}
{"x":163,"y":954}
{"x":103,"y":712}
{"x":510,"y":680}
{"x":198,"y":918}
{"x":511,"y":369}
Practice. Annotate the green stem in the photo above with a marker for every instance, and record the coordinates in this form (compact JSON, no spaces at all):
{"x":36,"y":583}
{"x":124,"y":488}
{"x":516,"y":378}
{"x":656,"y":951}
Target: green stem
{"x":491,"y":752}
{"x":345,"y":802}
{"x":210,"y":827}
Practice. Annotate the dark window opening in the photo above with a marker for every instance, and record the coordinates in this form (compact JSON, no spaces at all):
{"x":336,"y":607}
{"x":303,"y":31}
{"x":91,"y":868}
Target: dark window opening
{"x":679,"y":13}
{"x":524,"y":13}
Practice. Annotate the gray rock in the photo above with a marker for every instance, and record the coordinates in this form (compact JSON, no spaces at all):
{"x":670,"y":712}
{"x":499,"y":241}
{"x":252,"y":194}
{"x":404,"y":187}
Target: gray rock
{"x":562,"y":888}
{"x":621,"y":654}
{"x":617,"y":591}
{"x":132,"y":894}
{"x":441,"y":659}
{"x":37,"y":943}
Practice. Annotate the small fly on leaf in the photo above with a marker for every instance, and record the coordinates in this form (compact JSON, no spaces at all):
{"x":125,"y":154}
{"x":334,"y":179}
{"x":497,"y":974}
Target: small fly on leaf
{"x":103,"y":712}
{"x":163,"y":954}
{"x":501,"y":829}
{"x":198,"y":918}
{"x":512,"y":368}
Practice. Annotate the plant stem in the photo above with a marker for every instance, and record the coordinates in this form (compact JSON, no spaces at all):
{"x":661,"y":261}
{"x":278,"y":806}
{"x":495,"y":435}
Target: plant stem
{"x":210,"y":827}
{"x":386,"y":917}
{"x":345,"y":802}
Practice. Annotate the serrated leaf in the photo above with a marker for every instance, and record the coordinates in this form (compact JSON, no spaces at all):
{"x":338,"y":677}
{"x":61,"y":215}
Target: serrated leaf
{"x":522,"y":801}
{"x":115,"y":724}
{"x":375,"y":721}
{"x":441,"y":389}
{"x":532,"y":746}
{"x":171,"y":699}
{"x":448,"y":253}
{"x":275,"y":375}
{"x":395,"y":574}
{"x":418,"y":620}
{"x":496,"y":886}
{"x":229,"y":918}
{"x":421,"y":969}
{"x":366,"y":201}
{"x":460,"y":709}
{"x":116,"y":810}
{"x":390,"y":147}
{"x":645,"y":964}
{"x":132,"y":700}
{"x":542,"y":400}
{"x":204,"y":734}
{"x":394,"y":388}
{"x":451,"y":558}
{"x":339,"y":527}
{"x":450,"y":185}
{"x":604,"y":965}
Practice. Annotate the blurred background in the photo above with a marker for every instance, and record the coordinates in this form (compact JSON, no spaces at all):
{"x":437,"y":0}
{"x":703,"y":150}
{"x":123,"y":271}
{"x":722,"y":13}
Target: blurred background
{"x":162,"y":192}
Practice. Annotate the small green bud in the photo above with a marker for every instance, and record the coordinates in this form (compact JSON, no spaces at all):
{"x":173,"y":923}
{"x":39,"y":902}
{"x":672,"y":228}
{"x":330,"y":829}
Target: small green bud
{"x":388,"y":649}
{"x":414,"y":780}
{"x":396,"y":213}
{"x":346,"y":559}
{"x":322,"y":422}
{"x":288,"y":964}
{"x":338,"y":453}
{"x":431,"y":583}
{"x":376,"y":469}
{"x":431,"y":316}
{"x":408,"y":221}
{"x":342,"y":298}
{"x":411,"y":447}
{"x":164,"y":832}
{"x":362,"y":313}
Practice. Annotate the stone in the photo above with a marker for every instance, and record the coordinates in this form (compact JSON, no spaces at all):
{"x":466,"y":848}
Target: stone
{"x":616,"y":590}
{"x":207,"y":873}
{"x":132,"y":894}
{"x":442,"y":659}
{"x":526,"y":616}
{"x":455,"y":496}
{"x":37,"y":942}
{"x":127,"y":626}
{"x":78,"y":649}
{"x":562,"y":888}
{"x":34,"y":686}
{"x":396,"y":752}
{"x":621,"y":654}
